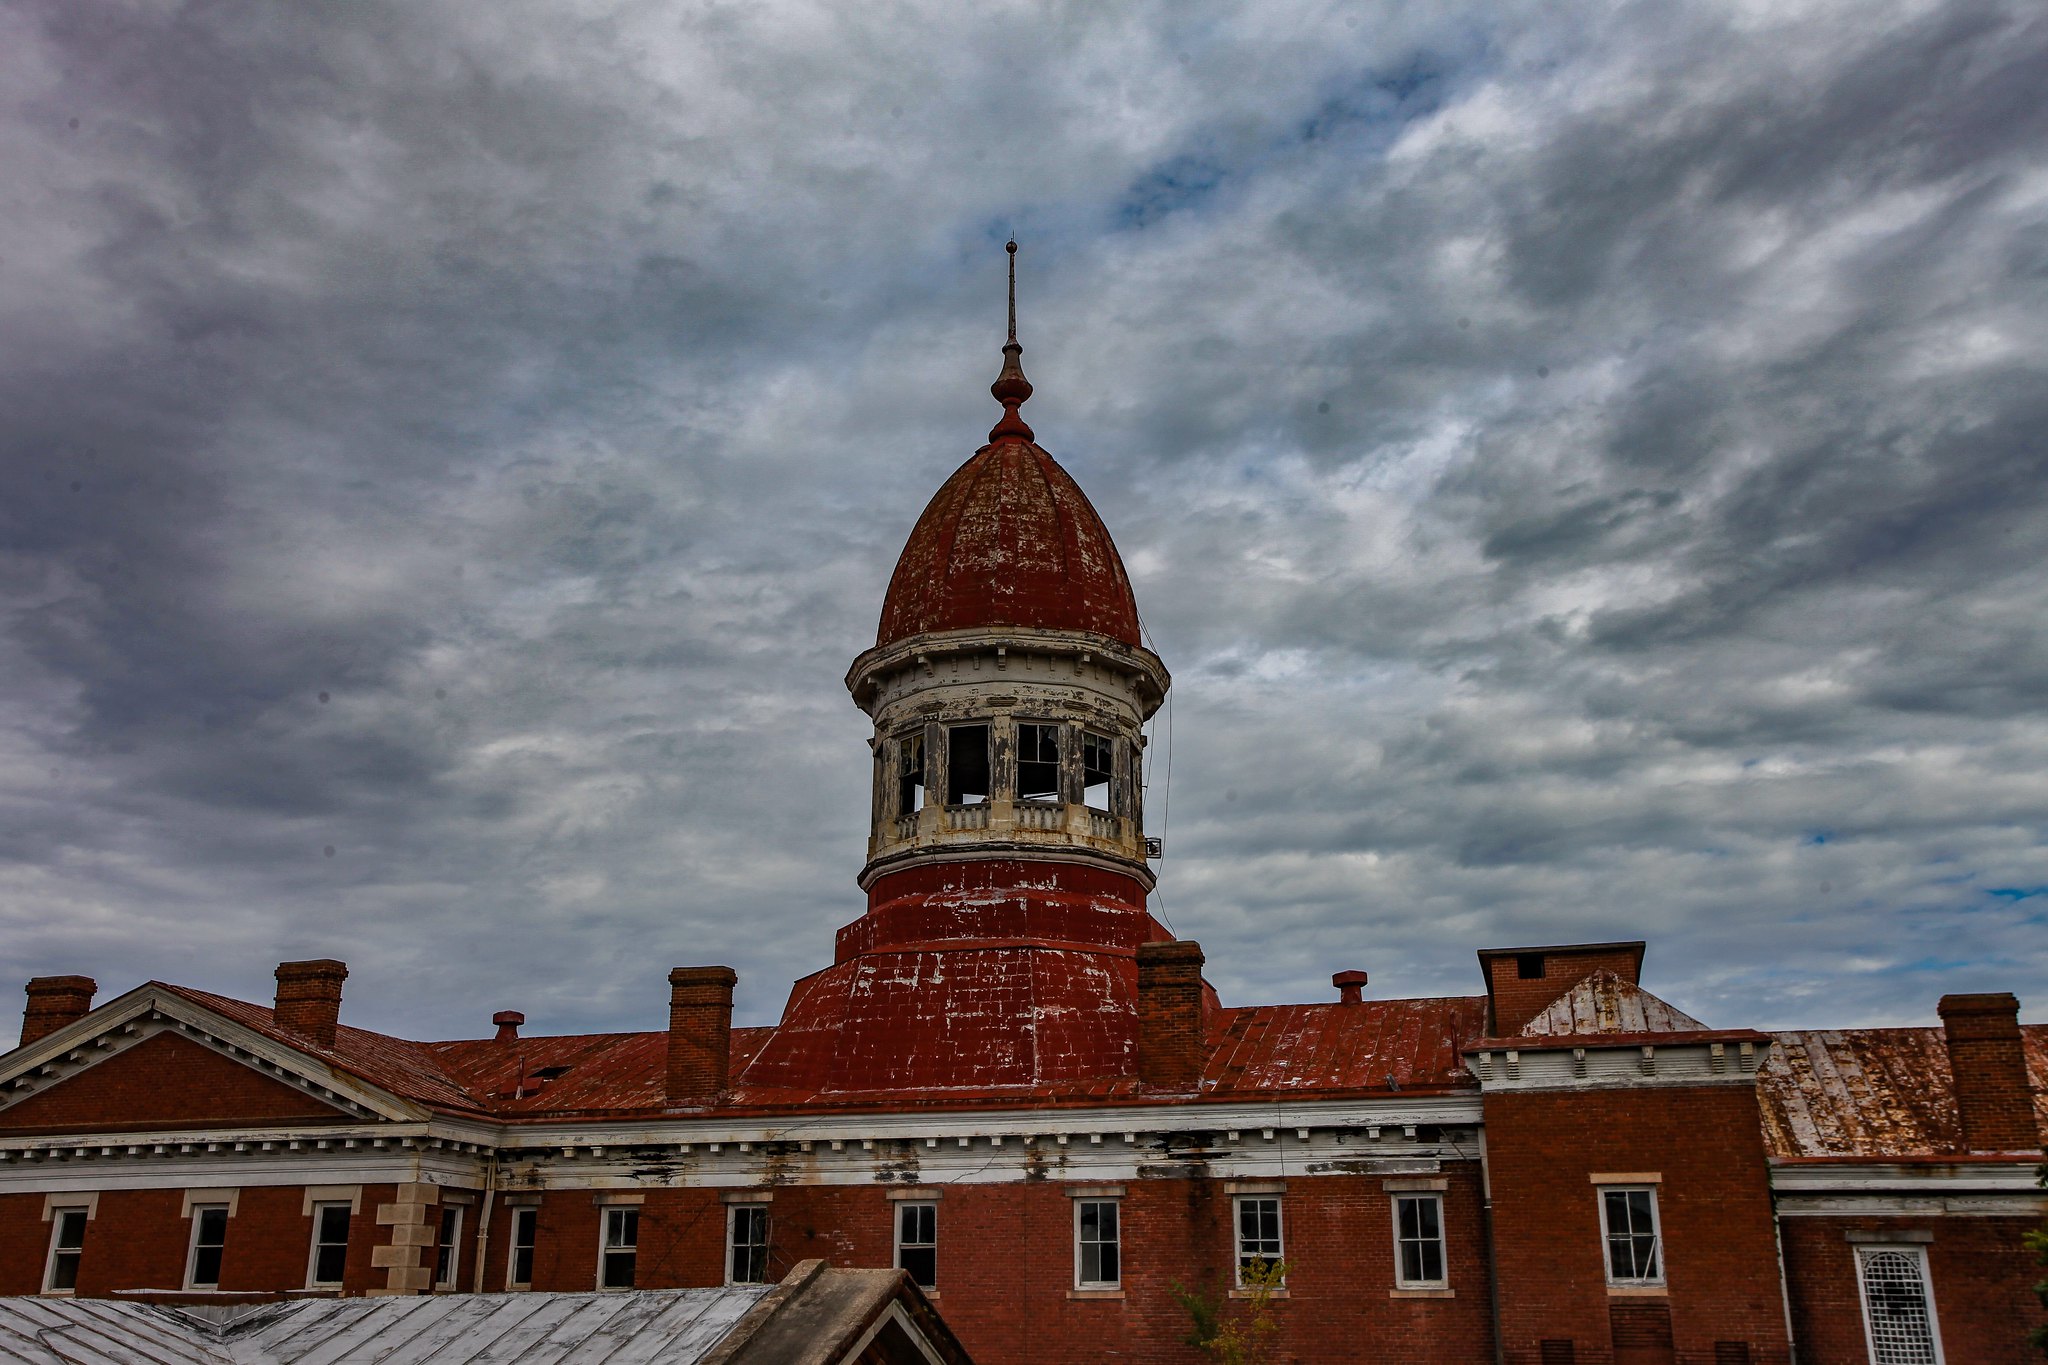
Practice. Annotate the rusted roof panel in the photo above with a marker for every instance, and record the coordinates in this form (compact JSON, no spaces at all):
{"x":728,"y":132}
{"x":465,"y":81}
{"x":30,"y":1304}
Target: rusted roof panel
{"x":404,"y":1068}
{"x":1009,"y":540}
{"x":1374,"y":1045}
{"x":1871,"y":1092}
{"x":1605,"y":1003}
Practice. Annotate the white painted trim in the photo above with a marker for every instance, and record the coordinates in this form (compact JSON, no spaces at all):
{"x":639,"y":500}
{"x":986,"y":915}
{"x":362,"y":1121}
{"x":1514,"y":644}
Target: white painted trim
{"x":1961,"y":1176}
{"x":2015,"y":1205}
{"x":229,"y":1195}
{"x":89,"y":1200}
{"x":894,"y":1313}
{"x":351,"y":1195}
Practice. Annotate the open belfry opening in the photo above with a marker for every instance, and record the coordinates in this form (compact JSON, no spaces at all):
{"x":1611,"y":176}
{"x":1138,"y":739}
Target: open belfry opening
{"x":1016,"y":1085}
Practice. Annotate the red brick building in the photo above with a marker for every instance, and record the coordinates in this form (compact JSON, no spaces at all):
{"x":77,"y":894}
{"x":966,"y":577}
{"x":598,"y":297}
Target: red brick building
{"x":1014,"y":1083}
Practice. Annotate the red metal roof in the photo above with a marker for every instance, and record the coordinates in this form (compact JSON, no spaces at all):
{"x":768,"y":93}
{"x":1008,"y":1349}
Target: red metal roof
{"x":1374,"y":1045}
{"x":1009,"y":540}
{"x":1871,"y":1093}
{"x":406,"y":1069}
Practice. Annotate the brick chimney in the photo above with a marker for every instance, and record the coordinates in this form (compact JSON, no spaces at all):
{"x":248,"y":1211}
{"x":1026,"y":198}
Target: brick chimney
{"x":309,"y":998}
{"x":1990,"y":1068}
{"x":699,"y":1033}
{"x":53,"y":1002}
{"x":1350,"y":987}
{"x":1171,"y":1047}
{"x":508,"y":1022}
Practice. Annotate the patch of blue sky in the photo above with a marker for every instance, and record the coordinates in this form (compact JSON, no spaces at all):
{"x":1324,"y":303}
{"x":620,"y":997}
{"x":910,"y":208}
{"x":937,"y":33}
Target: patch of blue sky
{"x":1819,"y":836}
{"x":2016,"y":893}
{"x":1350,"y":119}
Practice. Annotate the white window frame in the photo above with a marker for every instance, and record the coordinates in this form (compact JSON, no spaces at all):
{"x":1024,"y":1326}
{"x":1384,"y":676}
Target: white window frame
{"x":732,"y":1224}
{"x":1656,"y":1237}
{"x":1118,"y":1242}
{"x":449,"y":1239}
{"x":530,"y":1214}
{"x":933,"y":1244}
{"x":1443,"y":1249}
{"x":58,"y":1213}
{"x":1237,"y":1204}
{"x":198,"y":1215}
{"x":320,"y":1208}
{"x":1864,"y":1251}
{"x":607,"y":1248}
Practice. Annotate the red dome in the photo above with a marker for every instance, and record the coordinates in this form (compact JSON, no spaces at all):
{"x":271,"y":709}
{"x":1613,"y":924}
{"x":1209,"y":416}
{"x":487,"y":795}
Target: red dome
{"x":1010,"y":540}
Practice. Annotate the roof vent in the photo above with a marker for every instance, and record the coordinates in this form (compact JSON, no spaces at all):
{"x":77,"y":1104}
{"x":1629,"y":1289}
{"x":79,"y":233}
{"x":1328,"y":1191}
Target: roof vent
{"x":1350,"y":987}
{"x":508,"y":1022}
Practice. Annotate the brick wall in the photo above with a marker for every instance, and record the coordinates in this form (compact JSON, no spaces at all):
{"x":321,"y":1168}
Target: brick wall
{"x":1006,"y":1263}
{"x":1720,"y":1257}
{"x":1981,"y":1273}
{"x":139,"y":1239}
{"x":163,"y":1082}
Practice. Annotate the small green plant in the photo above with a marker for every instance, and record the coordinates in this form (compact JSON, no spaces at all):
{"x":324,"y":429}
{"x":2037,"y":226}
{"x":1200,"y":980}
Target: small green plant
{"x":1242,"y":1337}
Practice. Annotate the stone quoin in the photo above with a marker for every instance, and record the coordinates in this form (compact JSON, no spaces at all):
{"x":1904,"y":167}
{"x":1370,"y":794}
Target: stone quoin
{"x":1012,"y":1082}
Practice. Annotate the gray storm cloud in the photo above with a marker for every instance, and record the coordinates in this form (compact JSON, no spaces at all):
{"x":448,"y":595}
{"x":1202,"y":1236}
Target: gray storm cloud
{"x":1584,"y":466}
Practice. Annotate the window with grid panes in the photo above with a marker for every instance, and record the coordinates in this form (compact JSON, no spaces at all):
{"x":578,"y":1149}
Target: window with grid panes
{"x":209,"y":1239}
{"x":1419,"y":1241}
{"x":1098,"y":1249}
{"x":619,"y":1258}
{"x":1898,"y":1307}
{"x":447,"y":1247}
{"x":1258,"y":1232}
{"x":917,"y":1242}
{"x":746,"y":1233}
{"x":67,"y":1249}
{"x":330,"y":1245}
{"x":1628,"y":1217}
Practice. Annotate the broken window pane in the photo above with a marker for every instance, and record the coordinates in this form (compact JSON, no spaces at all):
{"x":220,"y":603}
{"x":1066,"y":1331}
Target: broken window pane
{"x":910,"y":774}
{"x":1098,"y":759}
{"x":966,"y":765}
{"x":1038,"y":762}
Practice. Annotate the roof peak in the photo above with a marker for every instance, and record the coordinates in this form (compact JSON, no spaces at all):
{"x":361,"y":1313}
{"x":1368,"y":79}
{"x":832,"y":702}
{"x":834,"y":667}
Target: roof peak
{"x":1011,"y":387}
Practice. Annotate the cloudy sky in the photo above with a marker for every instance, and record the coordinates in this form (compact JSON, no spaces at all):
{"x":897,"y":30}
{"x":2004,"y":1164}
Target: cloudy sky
{"x":1585,"y":465}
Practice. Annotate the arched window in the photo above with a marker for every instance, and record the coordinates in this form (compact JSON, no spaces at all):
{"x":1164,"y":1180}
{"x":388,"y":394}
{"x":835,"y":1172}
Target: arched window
{"x":1898,"y":1311}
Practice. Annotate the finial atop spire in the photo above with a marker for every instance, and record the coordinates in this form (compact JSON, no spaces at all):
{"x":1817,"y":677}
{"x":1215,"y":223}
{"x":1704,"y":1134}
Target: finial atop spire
{"x":1011,"y":387}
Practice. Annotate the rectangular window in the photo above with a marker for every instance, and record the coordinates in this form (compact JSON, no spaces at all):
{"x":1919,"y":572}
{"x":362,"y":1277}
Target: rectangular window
{"x":1628,"y":1218}
{"x":1098,"y":1259}
{"x":917,"y":1242}
{"x":448,"y":1247}
{"x":209,"y":1236}
{"x":966,"y":765}
{"x":1258,"y":1233}
{"x":746,"y":1239}
{"x":1419,"y":1241}
{"x":67,"y":1247}
{"x":910,"y":779}
{"x":1898,"y":1306}
{"x":1098,"y":759}
{"x":330,"y":1245}
{"x":1038,"y":762}
{"x":525,"y":1226}
{"x":618,"y":1259}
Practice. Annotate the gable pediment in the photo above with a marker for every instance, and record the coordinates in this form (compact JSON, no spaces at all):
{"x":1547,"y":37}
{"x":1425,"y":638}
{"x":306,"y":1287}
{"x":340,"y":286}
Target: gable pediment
{"x":165,"y":1082}
{"x":155,"y":1061}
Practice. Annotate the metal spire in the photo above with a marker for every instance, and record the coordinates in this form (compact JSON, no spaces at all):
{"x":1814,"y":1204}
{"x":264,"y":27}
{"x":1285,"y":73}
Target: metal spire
{"x":1011,"y":387}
